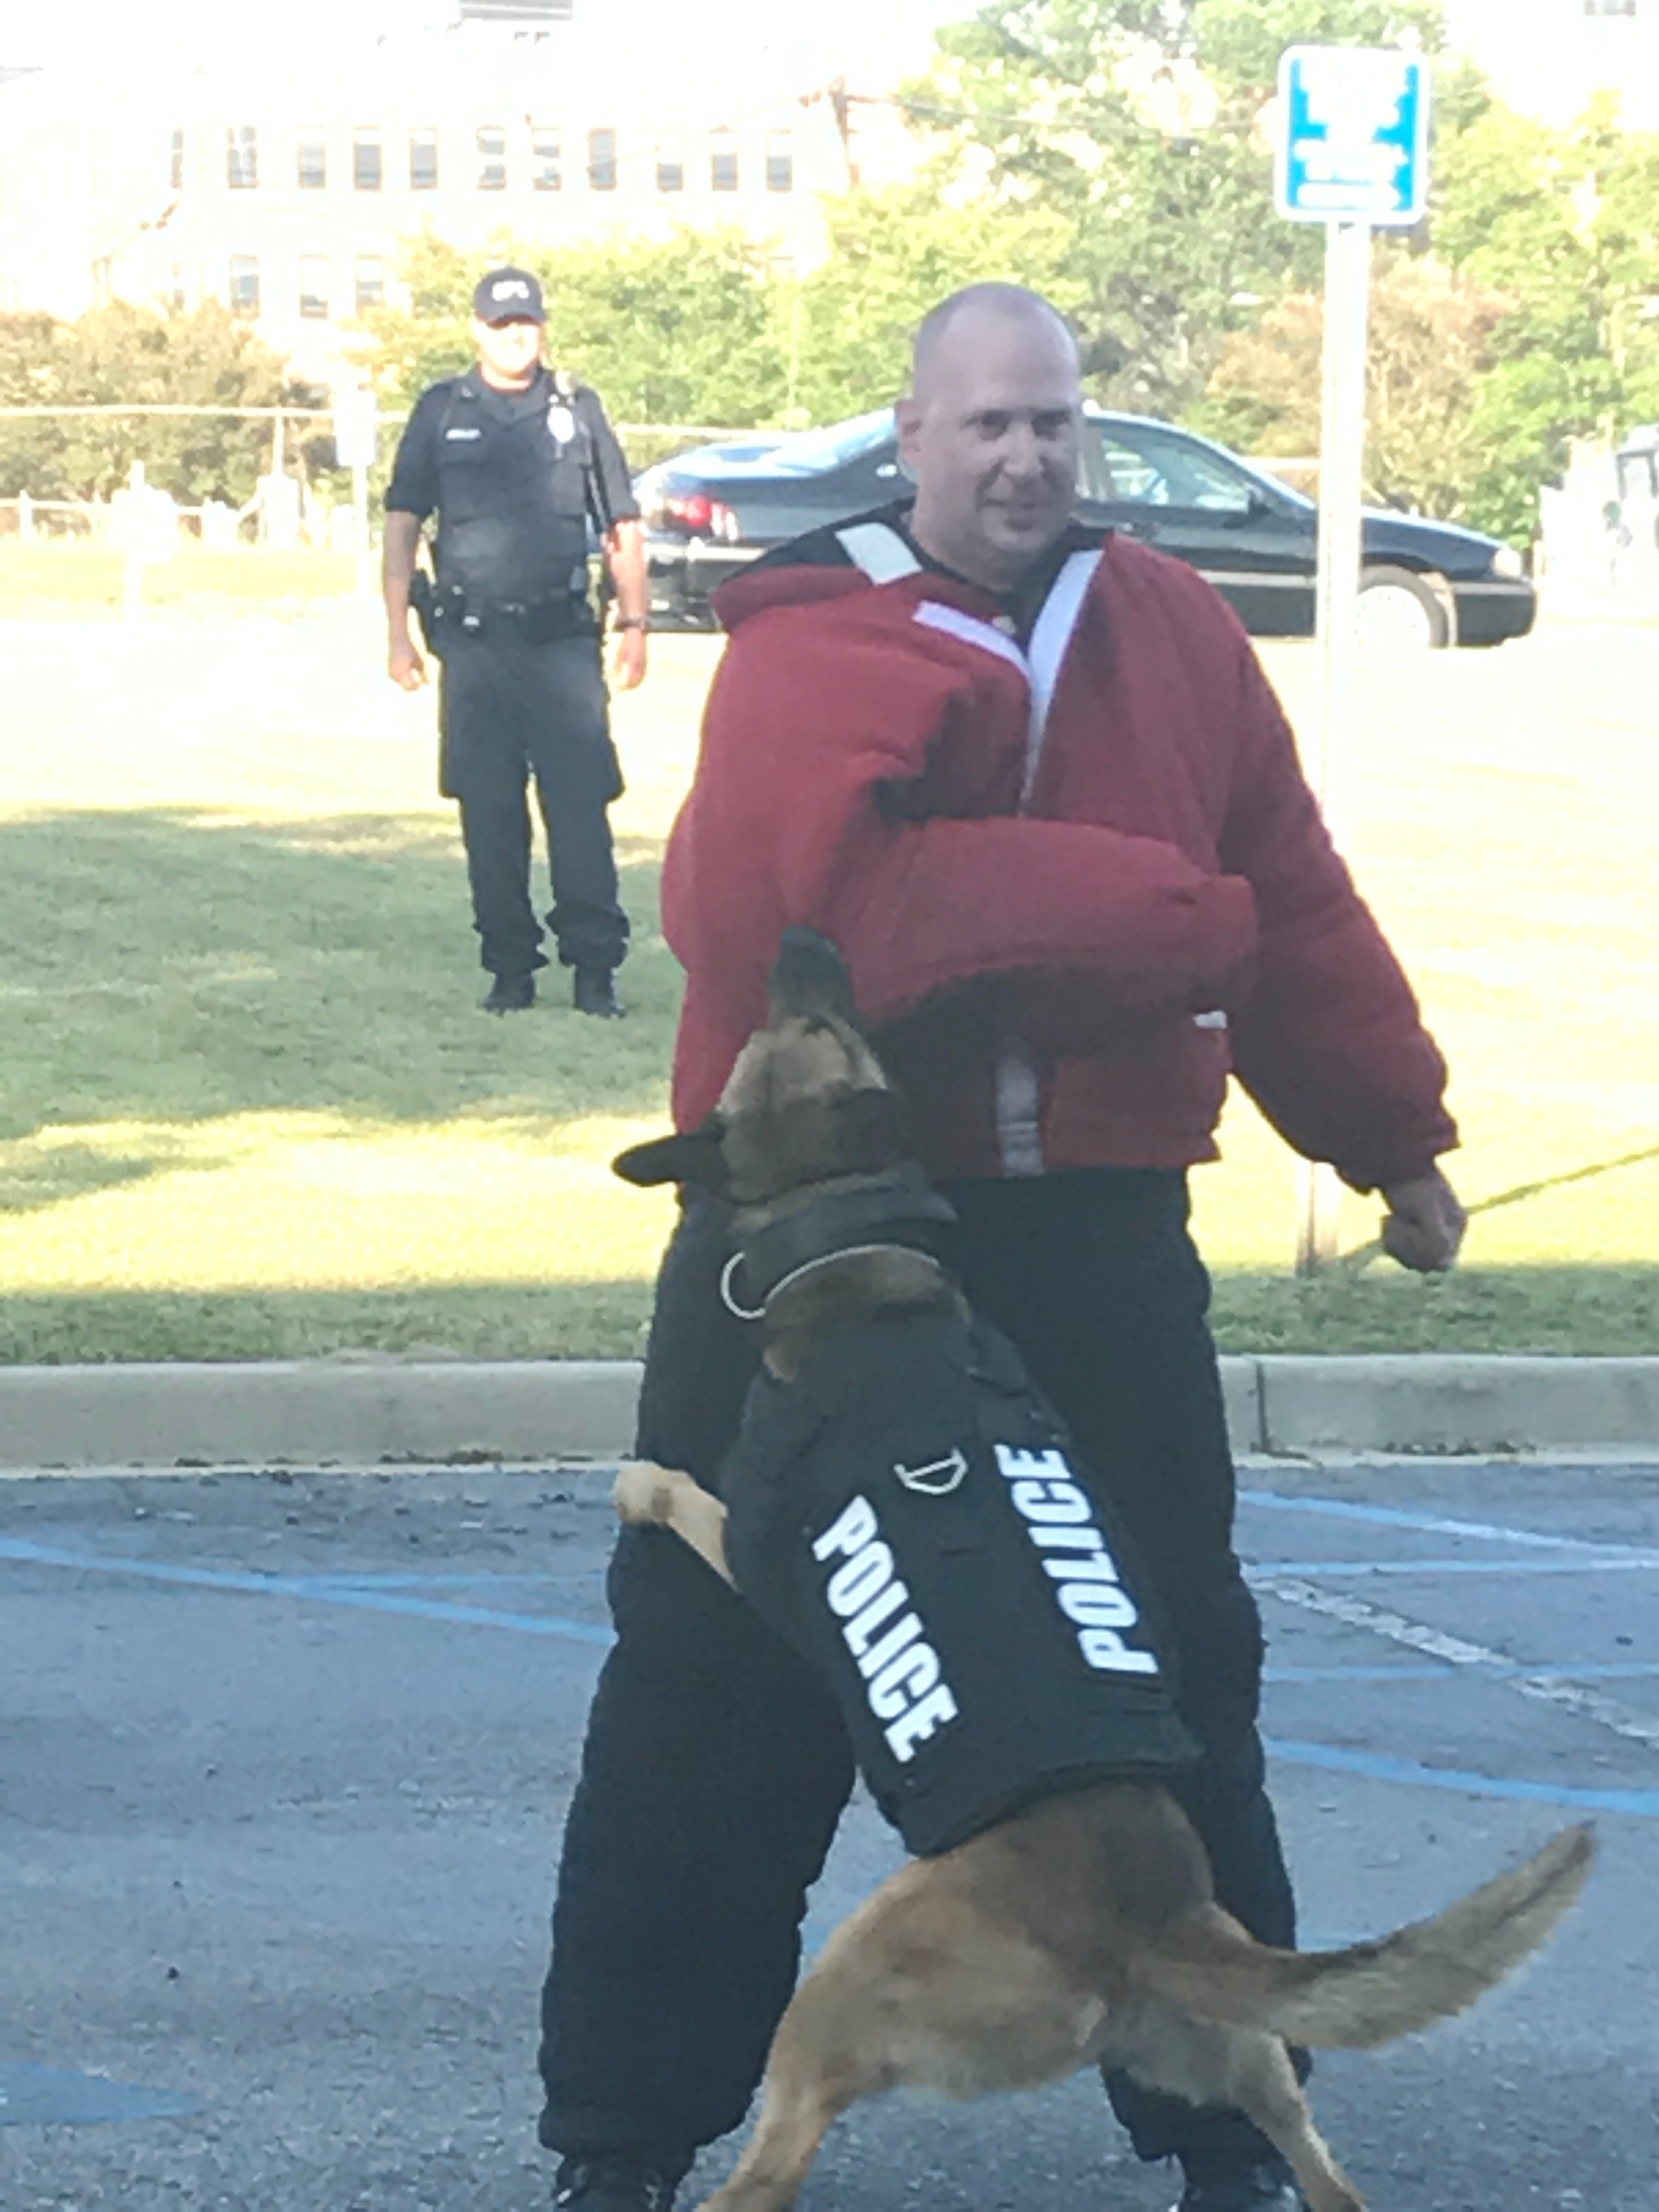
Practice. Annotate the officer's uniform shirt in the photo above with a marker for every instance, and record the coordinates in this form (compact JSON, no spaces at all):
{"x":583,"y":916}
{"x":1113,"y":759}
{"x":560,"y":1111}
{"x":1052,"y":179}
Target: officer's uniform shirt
{"x":506,"y":474}
{"x":908,"y":1514}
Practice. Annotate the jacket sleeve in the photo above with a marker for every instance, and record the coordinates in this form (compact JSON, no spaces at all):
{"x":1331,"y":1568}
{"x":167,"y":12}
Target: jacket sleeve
{"x":1330,"y":1042}
{"x":817,"y":738}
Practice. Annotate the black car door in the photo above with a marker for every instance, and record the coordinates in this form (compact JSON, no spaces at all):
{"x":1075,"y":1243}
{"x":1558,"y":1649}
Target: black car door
{"x":1189,"y":499}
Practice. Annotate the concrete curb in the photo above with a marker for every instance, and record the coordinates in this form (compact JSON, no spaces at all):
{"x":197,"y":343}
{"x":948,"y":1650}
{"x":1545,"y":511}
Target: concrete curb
{"x":305,"y":1412}
{"x":365,"y":1412}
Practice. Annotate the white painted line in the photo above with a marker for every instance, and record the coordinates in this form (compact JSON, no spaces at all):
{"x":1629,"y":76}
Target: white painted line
{"x":1608,"y":1713}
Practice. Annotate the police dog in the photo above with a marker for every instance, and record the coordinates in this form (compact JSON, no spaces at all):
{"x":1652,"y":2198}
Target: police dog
{"x":1083,"y":1929}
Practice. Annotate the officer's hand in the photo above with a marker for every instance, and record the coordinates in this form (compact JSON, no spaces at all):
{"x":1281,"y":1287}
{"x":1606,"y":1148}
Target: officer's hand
{"x":1425,"y":1224}
{"x":404,"y":664}
{"x":629,"y":665}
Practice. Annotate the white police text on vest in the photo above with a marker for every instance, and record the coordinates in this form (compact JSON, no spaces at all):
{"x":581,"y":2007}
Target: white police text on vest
{"x":1059,"y":1519}
{"x":903,"y":1679}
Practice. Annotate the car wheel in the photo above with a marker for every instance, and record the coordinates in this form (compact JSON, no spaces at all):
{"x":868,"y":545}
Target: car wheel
{"x":1398,"y":610}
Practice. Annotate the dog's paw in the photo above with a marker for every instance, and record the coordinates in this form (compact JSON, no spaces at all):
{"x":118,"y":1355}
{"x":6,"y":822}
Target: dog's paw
{"x":644,"y":1492}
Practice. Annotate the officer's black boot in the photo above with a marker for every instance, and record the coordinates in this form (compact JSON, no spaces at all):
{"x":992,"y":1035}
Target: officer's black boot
{"x":1217,"y":2184}
{"x":510,"y":995}
{"x":596,"y":993}
{"x":615,"y":2183}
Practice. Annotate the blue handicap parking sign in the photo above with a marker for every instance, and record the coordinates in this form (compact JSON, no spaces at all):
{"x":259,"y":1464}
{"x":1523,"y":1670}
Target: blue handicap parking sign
{"x":1353,"y":136}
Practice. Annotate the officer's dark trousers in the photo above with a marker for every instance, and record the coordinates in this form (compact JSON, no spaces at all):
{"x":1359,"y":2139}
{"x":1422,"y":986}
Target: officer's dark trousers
{"x":716,"y":1767}
{"x":511,"y":709}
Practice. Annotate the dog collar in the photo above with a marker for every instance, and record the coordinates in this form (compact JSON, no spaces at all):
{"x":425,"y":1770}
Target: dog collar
{"x":898,"y":1206}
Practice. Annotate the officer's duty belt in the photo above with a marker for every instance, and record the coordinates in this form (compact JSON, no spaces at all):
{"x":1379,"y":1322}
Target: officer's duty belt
{"x":537,"y":622}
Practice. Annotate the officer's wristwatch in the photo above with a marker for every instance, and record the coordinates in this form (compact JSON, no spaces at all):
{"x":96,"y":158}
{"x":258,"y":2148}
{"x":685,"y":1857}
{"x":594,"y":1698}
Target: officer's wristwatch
{"x":631,"y":622}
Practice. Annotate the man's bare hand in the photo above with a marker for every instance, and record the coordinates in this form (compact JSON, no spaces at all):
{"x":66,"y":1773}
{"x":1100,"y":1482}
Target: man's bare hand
{"x":1424,"y":1227}
{"x":628,"y":666}
{"x":404,"y":664}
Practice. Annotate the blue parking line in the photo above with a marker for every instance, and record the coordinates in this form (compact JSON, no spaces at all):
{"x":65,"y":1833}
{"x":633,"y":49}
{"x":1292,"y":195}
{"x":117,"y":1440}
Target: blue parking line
{"x":1642,"y":1804}
{"x":1410,"y":1671}
{"x":1634,"y":1563}
{"x":313,"y":1590}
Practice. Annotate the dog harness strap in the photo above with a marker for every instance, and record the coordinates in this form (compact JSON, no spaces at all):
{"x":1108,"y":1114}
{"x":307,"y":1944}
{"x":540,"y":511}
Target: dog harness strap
{"x":899,"y":1206}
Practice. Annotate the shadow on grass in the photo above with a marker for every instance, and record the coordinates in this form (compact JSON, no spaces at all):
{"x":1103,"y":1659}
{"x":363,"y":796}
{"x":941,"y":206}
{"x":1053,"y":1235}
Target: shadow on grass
{"x":473,"y":1320}
{"x":1586,"y":1311}
{"x":174,"y":968}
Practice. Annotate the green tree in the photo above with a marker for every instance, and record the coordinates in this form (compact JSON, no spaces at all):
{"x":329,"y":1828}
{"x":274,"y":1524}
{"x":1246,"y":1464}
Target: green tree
{"x":893,"y":255}
{"x":134,"y":355}
{"x":1430,"y":344}
{"x":683,"y":330}
{"x":1140,"y":125}
{"x":1563,"y":224}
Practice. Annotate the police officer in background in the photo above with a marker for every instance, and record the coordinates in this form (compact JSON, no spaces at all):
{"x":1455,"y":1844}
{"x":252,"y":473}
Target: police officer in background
{"x":513,"y":459}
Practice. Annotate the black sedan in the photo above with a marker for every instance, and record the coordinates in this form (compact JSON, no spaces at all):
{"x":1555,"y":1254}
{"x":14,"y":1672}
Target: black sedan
{"x":710,"y":511}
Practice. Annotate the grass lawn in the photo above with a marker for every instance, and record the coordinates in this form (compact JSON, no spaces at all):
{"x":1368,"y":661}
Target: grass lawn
{"x":66,"y":579}
{"x":248,"y":1107}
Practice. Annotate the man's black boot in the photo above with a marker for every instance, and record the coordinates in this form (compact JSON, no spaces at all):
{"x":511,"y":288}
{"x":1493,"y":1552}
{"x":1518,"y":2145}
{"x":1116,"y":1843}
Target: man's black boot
{"x":614,"y":2183}
{"x":511,"y":995}
{"x":1216,"y":2184}
{"x":596,"y":993}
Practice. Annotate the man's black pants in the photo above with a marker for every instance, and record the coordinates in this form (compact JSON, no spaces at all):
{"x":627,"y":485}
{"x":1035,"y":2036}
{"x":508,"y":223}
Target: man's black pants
{"x":511,"y":709}
{"x":716,"y":1766}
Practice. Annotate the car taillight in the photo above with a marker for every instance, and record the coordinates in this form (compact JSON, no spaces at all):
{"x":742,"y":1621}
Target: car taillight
{"x":705,"y":517}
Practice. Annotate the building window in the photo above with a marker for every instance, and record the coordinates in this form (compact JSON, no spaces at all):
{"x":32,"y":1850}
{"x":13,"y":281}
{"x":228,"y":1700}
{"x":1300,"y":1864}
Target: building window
{"x":371,"y":282}
{"x":423,"y":161}
{"x":492,"y":158}
{"x":176,"y":166}
{"x":670,"y":170}
{"x":516,"y":11}
{"x":311,"y":161}
{"x":780,"y":160}
{"x":368,"y":161}
{"x":723,"y":161}
{"x":244,"y":283}
{"x":241,"y":157}
{"x":547,"y":155}
{"x":602,"y":161}
{"x":314,"y":286}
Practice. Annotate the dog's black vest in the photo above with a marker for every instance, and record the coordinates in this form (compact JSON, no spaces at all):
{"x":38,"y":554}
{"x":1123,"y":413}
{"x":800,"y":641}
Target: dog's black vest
{"x":910,"y":1515}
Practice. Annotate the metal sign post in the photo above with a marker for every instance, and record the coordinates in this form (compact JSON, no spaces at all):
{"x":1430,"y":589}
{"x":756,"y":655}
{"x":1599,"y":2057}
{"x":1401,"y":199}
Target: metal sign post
{"x":1352,"y":154}
{"x":355,"y":433}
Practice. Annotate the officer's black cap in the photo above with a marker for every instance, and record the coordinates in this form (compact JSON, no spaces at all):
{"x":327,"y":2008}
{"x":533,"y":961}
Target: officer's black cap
{"x":508,"y":296}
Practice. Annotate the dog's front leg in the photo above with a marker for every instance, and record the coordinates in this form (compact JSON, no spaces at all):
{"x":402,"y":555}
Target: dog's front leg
{"x":648,"y":1494}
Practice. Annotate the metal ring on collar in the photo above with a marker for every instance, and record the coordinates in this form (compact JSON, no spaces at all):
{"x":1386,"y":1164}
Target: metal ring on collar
{"x":743,"y":1313}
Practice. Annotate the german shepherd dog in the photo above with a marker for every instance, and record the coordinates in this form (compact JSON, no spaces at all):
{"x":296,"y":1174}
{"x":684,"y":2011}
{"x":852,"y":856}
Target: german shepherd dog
{"x":1083,"y":1929}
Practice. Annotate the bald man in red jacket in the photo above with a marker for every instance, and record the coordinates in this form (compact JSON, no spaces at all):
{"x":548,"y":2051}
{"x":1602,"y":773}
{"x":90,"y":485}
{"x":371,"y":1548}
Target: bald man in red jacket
{"x":1033,"y":782}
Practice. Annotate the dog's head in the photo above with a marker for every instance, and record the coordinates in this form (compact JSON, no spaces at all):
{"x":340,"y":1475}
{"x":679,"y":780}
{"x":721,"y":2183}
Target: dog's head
{"x":806,"y":1101}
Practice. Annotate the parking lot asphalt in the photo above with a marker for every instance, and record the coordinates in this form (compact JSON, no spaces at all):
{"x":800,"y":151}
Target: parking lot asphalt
{"x":283,"y":1759}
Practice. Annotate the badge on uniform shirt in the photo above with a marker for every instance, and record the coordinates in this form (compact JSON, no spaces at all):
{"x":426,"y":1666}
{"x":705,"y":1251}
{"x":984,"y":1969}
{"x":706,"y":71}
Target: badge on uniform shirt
{"x":561,"y":422}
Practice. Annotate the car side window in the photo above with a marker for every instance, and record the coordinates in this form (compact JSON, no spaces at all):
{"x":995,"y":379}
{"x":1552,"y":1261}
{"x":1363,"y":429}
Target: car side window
{"x":1143,"y":468}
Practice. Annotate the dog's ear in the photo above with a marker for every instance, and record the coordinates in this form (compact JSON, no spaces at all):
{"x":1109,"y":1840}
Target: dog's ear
{"x":810,"y":977}
{"x":695,"y":1156}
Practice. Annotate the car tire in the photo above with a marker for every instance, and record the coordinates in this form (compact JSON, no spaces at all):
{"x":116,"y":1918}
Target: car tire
{"x":1399,"y":608}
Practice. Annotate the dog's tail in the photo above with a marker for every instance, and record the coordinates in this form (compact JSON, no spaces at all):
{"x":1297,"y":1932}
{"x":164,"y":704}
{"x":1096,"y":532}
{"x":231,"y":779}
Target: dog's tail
{"x":1373,"y":1992}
